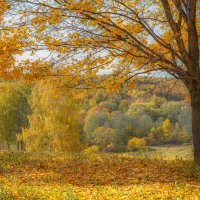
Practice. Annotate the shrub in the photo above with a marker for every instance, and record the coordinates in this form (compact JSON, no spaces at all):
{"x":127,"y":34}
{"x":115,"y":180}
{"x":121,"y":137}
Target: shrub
{"x":105,"y":138}
{"x":181,"y":137}
{"x":136,"y":144}
{"x":92,"y":149}
{"x":161,"y":134}
{"x":150,"y":141}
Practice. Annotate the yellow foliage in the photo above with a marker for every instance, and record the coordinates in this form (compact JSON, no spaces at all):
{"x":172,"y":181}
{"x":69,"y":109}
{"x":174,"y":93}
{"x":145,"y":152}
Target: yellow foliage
{"x":92,"y":149}
{"x":166,"y":126}
{"x":93,"y":36}
{"x":54,"y":123}
{"x":136,"y":144}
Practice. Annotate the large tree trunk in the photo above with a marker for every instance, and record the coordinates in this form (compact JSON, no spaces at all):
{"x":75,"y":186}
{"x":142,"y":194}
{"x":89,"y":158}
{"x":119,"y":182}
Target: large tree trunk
{"x":195,"y":103}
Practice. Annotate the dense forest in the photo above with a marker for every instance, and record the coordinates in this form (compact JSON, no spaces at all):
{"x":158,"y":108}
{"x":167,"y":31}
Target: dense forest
{"x":42,"y":117}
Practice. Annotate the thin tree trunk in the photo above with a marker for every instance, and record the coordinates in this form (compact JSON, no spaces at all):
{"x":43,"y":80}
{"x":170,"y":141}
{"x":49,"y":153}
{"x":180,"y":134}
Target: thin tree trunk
{"x":195,"y":103}
{"x":20,"y":145}
{"x":8,"y":144}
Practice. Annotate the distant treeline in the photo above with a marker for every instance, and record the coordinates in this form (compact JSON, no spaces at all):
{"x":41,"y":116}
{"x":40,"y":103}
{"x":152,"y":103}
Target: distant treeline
{"x":43,"y":117}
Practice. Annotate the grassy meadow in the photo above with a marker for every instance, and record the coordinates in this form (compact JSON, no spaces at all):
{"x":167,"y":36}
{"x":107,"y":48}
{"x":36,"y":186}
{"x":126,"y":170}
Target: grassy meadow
{"x":170,"y":152}
{"x":100,"y":176}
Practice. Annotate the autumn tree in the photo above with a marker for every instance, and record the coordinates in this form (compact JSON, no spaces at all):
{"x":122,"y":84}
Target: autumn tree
{"x":126,"y":38}
{"x":95,"y":118}
{"x":10,"y":45}
{"x":23,"y":111}
{"x":105,"y":138}
{"x":54,"y":122}
{"x":13,"y":115}
{"x":164,"y":133}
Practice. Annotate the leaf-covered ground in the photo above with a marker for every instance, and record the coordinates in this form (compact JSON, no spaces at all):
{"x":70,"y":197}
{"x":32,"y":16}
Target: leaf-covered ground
{"x":25,"y":176}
